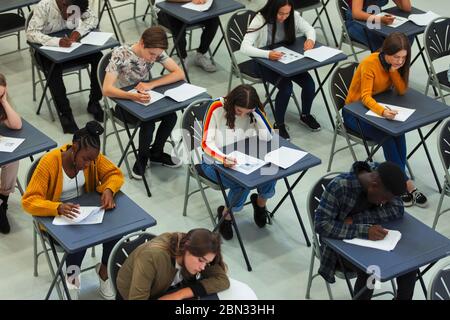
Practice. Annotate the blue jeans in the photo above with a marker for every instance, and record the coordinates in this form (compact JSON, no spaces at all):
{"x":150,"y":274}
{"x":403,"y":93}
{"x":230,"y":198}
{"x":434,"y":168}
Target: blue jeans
{"x":304,"y":80}
{"x":238,"y":194}
{"x":394,"y":148}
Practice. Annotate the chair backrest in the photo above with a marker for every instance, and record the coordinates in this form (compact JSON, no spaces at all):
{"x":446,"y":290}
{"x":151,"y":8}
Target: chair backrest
{"x":101,"y":69}
{"x":122,"y":250}
{"x":440,"y":285}
{"x":342,"y":9}
{"x":237,"y":28}
{"x":192,"y":126}
{"x":305,"y":5}
{"x":443,"y":142}
{"x":31,"y":170}
{"x":340,"y":83}
{"x":437,"y":38}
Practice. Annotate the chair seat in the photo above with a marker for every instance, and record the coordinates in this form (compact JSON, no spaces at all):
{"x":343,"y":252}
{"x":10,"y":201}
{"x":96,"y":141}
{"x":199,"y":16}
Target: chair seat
{"x":443,"y":80}
{"x":10,"y":22}
{"x":205,"y":179}
{"x":247,"y":69}
{"x":355,"y":135}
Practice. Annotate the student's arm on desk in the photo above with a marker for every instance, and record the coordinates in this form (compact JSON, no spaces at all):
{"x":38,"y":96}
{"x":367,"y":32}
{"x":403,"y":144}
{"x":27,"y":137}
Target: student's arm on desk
{"x":398,"y":82}
{"x":110,"y":90}
{"x":327,"y":214}
{"x":110,"y":176}
{"x":175,"y":74}
{"x":13,"y":120}
{"x":404,"y":5}
{"x":88,"y":22}
{"x":367,"y":84}
{"x":34,"y":32}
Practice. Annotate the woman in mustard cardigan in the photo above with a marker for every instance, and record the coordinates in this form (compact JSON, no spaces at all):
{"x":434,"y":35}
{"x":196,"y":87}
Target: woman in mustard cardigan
{"x":67,"y":172}
{"x":377,"y":73}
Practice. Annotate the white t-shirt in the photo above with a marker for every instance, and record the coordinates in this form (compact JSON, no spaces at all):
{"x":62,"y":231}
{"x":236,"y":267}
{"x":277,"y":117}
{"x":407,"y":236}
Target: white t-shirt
{"x":69,"y":189}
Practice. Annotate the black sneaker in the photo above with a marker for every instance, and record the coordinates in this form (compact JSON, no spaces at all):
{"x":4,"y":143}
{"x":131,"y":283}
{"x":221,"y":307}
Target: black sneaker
{"x":137,"y":172}
{"x":96,"y":110}
{"x":165,"y":159}
{"x":259,"y":214}
{"x":310,"y":122}
{"x":4,"y":223}
{"x":68,"y":123}
{"x":225,"y":228}
{"x":407,"y":199}
{"x":419,"y":198}
{"x":282,"y":131}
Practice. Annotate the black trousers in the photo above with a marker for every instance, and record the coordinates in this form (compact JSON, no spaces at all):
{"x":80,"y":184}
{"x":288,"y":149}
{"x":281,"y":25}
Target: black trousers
{"x":211,"y":26}
{"x":405,"y":283}
{"x":56,"y":84}
{"x":146,"y":130}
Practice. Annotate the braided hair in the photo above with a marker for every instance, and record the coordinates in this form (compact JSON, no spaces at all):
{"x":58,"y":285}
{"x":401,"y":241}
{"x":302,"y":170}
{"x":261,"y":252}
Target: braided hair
{"x":89,"y":136}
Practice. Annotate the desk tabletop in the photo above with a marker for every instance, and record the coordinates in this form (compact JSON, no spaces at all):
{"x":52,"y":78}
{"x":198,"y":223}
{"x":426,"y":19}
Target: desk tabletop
{"x":428,"y":110}
{"x":35,"y":142}
{"x":81,"y":51}
{"x":409,"y":28}
{"x":126,"y":218}
{"x":159,"y":108}
{"x":298,"y":66}
{"x":218,"y":8}
{"x":419,"y":246}
{"x":6,"y":5}
{"x":266,"y":173}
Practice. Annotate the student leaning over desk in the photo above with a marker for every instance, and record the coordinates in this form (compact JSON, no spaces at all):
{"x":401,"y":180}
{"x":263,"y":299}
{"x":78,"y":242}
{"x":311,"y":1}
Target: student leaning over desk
{"x":234,"y":118}
{"x":67,"y":172}
{"x":8,"y":178}
{"x":377,"y":73}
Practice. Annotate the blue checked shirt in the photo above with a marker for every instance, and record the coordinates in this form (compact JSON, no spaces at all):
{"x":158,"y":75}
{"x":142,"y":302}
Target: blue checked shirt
{"x":337,"y":203}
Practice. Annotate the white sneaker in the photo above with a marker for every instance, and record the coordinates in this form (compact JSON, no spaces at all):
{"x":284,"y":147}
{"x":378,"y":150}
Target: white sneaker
{"x":74,"y":290}
{"x":105,"y":288}
{"x":204,"y":62}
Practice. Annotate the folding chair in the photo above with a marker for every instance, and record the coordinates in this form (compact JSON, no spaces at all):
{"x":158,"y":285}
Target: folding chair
{"x":304,"y":6}
{"x":11,"y":24}
{"x":440,"y":285}
{"x":437,"y":46}
{"x":443,"y":146}
{"x":312,"y":202}
{"x":192,"y":129}
{"x":342,"y":8}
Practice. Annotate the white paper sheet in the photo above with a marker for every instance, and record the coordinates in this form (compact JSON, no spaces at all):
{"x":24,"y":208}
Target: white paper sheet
{"x":88,"y":215}
{"x":402,"y":116}
{"x":61,"y":49}
{"x":288,"y":55}
{"x":284,"y":157}
{"x":244,"y":163}
{"x":424,"y":18}
{"x":387,"y":244}
{"x":398,"y":21}
{"x":198,"y":7}
{"x":96,"y":38}
{"x":322,"y":53}
{"x":154,"y":96}
{"x":184,"y":92}
{"x":8,"y":144}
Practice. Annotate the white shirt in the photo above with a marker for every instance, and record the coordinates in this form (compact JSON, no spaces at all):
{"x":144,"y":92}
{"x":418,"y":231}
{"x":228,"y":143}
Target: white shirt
{"x":69,"y":188}
{"x":178,"y":277}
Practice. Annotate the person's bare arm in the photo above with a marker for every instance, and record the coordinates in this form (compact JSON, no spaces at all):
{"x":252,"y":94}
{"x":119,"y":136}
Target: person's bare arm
{"x":175,"y":74}
{"x":359,"y":14}
{"x":404,"y":5}
{"x":110,"y":90}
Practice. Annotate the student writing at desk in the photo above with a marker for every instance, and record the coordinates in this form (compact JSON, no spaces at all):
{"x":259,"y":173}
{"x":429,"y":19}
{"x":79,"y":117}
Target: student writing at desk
{"x":50,"y":16}
{"x":8,"y":177}
{"x":67,"y":172}
{"x":131,"y":65}
{"x":377,"y":73}
{"x":174,"y":266}
{"x":234,"y":118}
{"x":278,"y":23}
{"x":353,"y":205}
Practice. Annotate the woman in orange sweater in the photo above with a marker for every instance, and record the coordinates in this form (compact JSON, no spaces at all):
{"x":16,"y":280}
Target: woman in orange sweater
{"x":377,"y":73}
{"x":66,"y":173}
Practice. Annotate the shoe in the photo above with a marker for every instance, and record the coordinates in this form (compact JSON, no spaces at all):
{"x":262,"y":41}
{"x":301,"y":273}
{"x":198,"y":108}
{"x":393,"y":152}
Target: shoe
{"x":310,"y":122}
{"x":259,"y":214}
{"x":105,"y":289}
{"x":137,"y":172}
{"x":282,"y":131}
{"x":74,"y":289}
{"x":96,"y":110}
{"x":225,"y":227}
{"x":5,"y":228}
{"x":165,"y":159}
{"x":407,"y":199}
{"x":419,"y":198}
{"x":204,"y":62}
{"x":68,"y":123}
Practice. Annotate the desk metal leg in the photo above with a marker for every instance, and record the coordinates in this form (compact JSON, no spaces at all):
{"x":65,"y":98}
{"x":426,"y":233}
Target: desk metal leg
{"x":233,"y":220}
{"x":47,"y":76}
{"x":324,"y":97}
{"x":58,"y":273}
{"x":107,"y":6}
{"x":421,"y":54}
{"x":425,"y":138}
{"x":430,"y":161}
{"x":347,"y":280}
{"x":324,"y":9}
{"x":286,"y":194}
{"x":131,"y":142}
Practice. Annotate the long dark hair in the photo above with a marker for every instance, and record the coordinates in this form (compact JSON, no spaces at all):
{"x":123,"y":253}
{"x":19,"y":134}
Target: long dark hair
{"x":244,"y":96}
{"x":89,"y":136}
{"x":270,"y":11}
{"x":395,"y":42}
{"x":199,"y":242}
{"x":2,"y":109}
